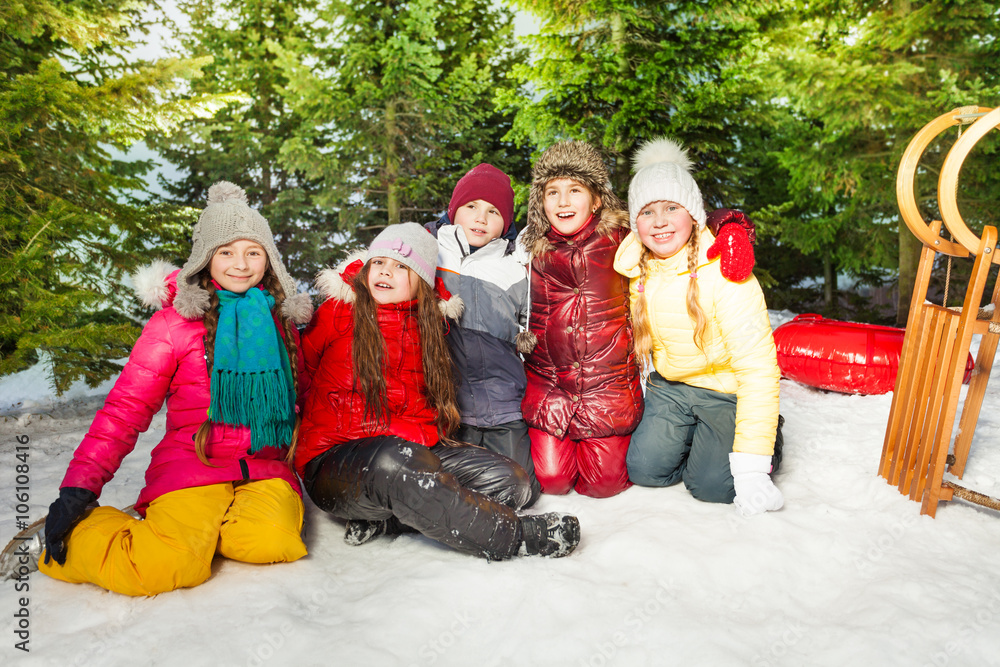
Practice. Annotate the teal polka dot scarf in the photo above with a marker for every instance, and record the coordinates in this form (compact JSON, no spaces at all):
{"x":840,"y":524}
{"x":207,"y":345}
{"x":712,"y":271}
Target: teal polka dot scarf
{"x":251,"y":383}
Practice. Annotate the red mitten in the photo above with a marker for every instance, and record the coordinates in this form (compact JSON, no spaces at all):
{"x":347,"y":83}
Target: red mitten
{"x":733,"y":244}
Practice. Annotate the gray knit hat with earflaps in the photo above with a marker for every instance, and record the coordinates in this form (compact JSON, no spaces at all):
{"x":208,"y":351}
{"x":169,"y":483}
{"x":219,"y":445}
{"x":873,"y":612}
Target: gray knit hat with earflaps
{"x":577,"y":160}
{"x":227,"y":218}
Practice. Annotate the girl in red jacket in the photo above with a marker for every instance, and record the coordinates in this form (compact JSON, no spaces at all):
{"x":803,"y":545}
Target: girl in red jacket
{"x":374,"y":447}
{"x":218,"y":482}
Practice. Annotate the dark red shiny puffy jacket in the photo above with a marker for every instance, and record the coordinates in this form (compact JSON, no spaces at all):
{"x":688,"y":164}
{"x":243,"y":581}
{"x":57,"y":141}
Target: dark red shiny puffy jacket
{"x":583,"y":379}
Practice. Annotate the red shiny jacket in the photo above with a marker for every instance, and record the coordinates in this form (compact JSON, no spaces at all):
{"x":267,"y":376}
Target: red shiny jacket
{"x":583,"y":379}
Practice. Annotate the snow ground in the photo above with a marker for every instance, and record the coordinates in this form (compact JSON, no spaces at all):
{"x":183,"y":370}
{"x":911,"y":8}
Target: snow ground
{"x":847,"y":572}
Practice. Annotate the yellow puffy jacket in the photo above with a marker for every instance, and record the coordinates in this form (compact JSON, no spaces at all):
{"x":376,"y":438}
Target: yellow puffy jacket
{"x":738,"y":357}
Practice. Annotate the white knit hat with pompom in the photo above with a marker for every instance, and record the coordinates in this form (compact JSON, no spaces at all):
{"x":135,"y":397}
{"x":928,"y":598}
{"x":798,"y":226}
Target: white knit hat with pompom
{"x":662,"y":173}
{"x":227,"y":218}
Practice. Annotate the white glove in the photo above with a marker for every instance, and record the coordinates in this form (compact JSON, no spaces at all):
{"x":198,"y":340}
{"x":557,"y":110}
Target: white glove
{"x":755,"y":492}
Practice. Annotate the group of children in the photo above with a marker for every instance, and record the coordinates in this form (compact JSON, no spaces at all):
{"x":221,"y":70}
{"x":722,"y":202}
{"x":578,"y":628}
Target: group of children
{"x":405,"y":406}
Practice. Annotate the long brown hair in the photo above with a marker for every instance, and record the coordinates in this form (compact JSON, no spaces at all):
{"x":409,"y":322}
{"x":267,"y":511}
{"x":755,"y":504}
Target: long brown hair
{"x":368,"y":352}
{"x":271,"y":283}
{"x":641,"y":328}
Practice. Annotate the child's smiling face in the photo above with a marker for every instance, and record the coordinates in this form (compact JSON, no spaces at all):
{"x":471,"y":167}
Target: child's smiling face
{"x":390,"y":281}
{"x":239,"y":265}
{"x":568,"y":205}
{"x":481,"y":221}
{"x":664,"y":227}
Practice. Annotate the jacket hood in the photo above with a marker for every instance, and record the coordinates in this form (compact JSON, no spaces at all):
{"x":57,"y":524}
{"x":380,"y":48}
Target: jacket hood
{"x":581,"y":162}
{"x":156,"y":287}
{"x":156,"y":284}
{"x":335,"y":283}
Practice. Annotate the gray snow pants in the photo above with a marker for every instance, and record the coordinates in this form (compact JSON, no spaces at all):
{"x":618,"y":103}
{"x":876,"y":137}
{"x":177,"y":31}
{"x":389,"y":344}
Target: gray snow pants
{"x":686,"y":433}
{"x":510,"y":440}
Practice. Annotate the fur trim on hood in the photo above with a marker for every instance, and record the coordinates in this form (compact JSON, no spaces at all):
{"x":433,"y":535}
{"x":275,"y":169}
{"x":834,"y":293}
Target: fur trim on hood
{"x":156,"y":287}
{"x":156,"y":284}
{"x":581,"y":162}
{"x":335,"y":283}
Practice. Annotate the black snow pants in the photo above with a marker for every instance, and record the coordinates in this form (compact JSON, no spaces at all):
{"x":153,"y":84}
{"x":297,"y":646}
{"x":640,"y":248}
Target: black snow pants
{"x":464,"y":497}
{"x":509,"y":439}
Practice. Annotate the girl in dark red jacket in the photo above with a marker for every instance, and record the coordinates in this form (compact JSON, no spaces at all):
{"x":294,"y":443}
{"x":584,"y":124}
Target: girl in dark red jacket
{"x":374,"y":447}
{"x":583,"y":398}
{"x":217,"y":481}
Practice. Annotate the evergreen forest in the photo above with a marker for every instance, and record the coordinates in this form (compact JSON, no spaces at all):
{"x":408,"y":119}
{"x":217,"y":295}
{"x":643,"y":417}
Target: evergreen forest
{"x":340,"y":117}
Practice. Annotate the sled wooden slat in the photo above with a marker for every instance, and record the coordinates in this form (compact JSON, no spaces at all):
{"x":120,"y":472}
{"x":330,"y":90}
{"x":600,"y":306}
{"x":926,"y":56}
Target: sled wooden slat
{"x":900,"y":413}
{"x":931,"y":437}
{"x":928,"y":335}
{"x":936,"y":345}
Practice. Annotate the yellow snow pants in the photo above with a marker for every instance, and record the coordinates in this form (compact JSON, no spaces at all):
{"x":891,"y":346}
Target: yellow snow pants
{"x":255,"y":522}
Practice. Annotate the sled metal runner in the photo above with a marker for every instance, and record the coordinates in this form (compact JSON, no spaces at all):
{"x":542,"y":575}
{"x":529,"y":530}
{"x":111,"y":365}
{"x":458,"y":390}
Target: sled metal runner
{"x":915,"y":454}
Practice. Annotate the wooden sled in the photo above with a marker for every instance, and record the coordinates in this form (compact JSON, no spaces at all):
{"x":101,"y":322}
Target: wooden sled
{"x":925,"y":400}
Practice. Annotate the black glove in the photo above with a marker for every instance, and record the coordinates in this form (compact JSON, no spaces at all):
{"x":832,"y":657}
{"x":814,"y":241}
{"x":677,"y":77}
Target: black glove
{"x":64,"y":513}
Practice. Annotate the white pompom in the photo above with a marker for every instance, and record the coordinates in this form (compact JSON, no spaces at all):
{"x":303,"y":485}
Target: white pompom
{"x":661,"y":150}
{"x":151,"y":285}
{"x":224,"y":191}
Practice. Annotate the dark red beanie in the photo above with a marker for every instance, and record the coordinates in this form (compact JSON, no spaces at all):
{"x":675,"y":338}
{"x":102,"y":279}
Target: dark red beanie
{"x":486,"y":182}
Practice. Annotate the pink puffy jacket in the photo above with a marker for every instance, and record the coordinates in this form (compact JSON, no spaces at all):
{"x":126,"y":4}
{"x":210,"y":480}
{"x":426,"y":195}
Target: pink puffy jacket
{"x":168,"y":361}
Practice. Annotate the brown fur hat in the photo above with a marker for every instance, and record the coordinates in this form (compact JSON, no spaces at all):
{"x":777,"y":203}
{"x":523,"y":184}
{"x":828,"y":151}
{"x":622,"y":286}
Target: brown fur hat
{"x":581,"y":162}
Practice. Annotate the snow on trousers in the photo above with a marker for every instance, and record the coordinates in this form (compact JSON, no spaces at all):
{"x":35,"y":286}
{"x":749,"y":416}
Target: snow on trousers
{"x":687,"y":433}
{"x":464,"y":497}
{"x":254,"y":522}
{"x":595,"y":467}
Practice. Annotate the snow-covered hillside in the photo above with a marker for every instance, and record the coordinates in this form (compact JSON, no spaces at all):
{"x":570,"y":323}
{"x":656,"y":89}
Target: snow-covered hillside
{"x":847,"y":573}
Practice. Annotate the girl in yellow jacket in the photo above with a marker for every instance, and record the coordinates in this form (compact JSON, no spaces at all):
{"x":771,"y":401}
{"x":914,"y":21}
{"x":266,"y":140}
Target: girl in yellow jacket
{"x":711,"y":413}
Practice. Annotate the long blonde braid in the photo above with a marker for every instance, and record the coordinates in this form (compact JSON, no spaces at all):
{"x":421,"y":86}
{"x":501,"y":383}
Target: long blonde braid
{"x":641,"y":328}
{"x":695,"y":312}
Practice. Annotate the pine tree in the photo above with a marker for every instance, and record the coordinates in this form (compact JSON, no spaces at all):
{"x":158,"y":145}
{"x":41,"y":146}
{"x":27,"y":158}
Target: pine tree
{"x":242,"y":143}
{"x":861,"y":78}
{"x":616,"y":73}
{"x":72,"y":217}
{"x":399,"y":97}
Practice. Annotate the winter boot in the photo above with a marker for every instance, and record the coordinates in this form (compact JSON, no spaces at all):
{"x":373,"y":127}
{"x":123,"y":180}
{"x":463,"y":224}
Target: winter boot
{"x":20,"y":556}
{"x":554,"y":535}
{"x":360,"y":531}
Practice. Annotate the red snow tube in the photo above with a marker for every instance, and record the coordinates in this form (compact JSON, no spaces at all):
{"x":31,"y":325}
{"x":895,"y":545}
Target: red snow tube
{"x":848,"y":357}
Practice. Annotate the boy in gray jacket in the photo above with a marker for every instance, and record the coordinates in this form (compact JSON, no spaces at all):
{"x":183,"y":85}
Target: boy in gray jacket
{"x":479,"y":260}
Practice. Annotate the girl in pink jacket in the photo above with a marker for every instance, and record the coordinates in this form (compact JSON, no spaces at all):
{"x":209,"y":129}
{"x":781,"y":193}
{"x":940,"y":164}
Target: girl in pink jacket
{"x":218,"y":482}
